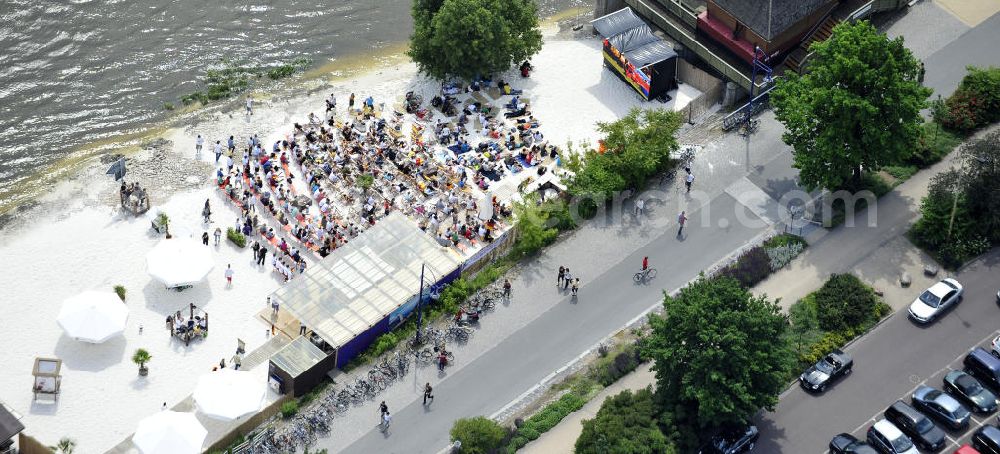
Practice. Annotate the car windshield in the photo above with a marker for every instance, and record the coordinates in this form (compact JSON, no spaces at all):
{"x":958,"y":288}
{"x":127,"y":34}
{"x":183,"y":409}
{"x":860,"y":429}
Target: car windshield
{"x":825,"y":366}
{"x":924,"y":425}
{"x":930,"y":299}
{"x":969,"y":385}
{"x":902,"y":444}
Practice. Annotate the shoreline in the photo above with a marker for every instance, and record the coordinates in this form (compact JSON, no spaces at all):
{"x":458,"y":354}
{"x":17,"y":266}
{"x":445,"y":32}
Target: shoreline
{"x":36,"y":190}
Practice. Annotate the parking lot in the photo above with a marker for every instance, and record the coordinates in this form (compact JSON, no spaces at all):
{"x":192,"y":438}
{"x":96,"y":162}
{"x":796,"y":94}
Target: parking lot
{"x":935,"y":380}
{"x":890,"y":362}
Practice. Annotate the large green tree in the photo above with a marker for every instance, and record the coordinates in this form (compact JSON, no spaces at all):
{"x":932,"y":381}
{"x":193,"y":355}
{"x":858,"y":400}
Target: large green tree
{"x":856,"y":109}
{"x":719,"y":357}
{"x":626,"y":424}
{"x":469,"y":38}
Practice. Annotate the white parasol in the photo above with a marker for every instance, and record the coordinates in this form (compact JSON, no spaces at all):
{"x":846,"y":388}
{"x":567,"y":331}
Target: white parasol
{"x":228,"y":394}
{"x":93,"y":316}
{"x":179,"y":262}
{"x":170,"y":432}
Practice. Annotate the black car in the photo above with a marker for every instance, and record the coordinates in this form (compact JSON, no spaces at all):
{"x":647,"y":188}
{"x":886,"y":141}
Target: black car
{"x":941,"y":406}
{"x":924,"y":433}
{"x":847,"y":444}
{"x":819,"y":375}
{"x":737,"y":440}
{"x":986,"y":440}
{"x":969,"y":390}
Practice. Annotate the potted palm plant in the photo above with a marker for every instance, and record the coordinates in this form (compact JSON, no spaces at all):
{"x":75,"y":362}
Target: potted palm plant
{"x":141,"y":357}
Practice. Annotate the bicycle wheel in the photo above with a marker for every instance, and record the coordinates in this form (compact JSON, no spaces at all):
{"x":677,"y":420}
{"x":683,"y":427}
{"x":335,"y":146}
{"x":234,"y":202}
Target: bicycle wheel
{"x":651,"y":273}
{"x":637,"y":277}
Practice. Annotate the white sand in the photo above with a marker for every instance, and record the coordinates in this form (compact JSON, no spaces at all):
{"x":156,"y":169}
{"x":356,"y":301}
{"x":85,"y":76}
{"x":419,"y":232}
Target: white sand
{"x":87,"y":246}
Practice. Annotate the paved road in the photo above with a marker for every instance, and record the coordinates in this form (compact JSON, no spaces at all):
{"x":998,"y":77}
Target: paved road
{"x":889,"y":363}
{"x":978,"y":47}
{"x":559,"y":335}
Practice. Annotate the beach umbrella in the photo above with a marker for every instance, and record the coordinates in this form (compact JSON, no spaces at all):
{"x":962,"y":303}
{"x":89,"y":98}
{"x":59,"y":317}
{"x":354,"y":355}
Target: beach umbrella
{"x":169,"y":432}
{"x":179,"y":262}
{"x":228,"y":394}
{"x":93,"y":316}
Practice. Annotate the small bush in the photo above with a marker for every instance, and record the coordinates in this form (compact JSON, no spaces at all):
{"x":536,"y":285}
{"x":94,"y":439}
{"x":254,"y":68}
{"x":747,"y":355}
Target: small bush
{"x":168,"y":106}
{"x":751,"y":267}
{"x":120,"y":291}
{"x":784,"y":239}
{"x":782,"y":255}
{"x":901,"y":173}
{"x":236,"y":237}
{"x":844,"y":302}
{"x":289,"y":409}
{"x":478,"y":435}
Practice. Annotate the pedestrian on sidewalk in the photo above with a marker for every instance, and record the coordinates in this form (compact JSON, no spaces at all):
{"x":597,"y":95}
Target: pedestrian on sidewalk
{"x":262,"y":256}
{"x":231,"y":143}
{"x":198,"y":143}
{"x":249,"y":105}
{"x":255,"y":247}
{"x":218,"y":235}
{"x":274,"y":306}
{"x":218,"y":150}
{"x":681,"y":219}
{"x":302,"y":329}
{"x":567,"y":279}
{"x":428,"y":393}
{"x":559,"y":278}
{"x":576,"y":286}
{"x":229,"y":275}
{"x":204,"y":238}
{"x":640,"y":207}
{"x":506,"y":289}
{"x":386,"y":419}
{"x":688,"y":179}
{"x":207,"y":212}
{"x":350,"y":103}
{"x":383,"y":410}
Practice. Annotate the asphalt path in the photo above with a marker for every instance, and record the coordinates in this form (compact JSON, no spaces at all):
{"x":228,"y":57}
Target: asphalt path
{"x":604,"y":305}
{"x":889,"y":363}
{"x":977,"y":47}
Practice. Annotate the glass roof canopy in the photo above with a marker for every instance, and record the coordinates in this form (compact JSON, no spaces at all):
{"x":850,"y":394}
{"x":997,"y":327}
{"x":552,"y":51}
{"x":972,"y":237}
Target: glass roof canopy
{"x":363,"y":281}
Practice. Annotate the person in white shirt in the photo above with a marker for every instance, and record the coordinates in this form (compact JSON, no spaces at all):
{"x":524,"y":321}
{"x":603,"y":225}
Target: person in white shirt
{"x":218,"y":150}
{"x":249,"y":105}
{"x":198,"y":143}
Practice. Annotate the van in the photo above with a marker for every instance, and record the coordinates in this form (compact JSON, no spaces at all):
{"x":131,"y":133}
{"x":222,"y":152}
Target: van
{"x":981,"y":364}
{"x":924,"y":433}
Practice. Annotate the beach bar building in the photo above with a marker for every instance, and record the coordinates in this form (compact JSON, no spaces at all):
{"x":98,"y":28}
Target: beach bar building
{"x":636,"y":55}
{"x":362,"y":290}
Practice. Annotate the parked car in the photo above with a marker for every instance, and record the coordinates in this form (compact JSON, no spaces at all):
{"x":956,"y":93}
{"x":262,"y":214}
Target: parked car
{"x":846,"y":444}
{"x":986,"y":440}
{"x":941,"y":406}
{"x":995,"y":351}
{"x":736,"y":440}
{"x":924,"y":433}
{"x":888,"y":439}
{"x":967,"y":389}
{"x":985,"y":367}
{"x":818,"y":376}
{"x":966,"y":449}
{"x":935,"y":300}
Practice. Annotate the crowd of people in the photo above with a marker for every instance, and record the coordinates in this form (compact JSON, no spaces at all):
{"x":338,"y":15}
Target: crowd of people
{"x":330,"y":179}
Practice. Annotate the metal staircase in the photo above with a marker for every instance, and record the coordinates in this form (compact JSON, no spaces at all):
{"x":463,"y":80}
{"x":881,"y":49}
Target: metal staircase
{"x":797,"y":58}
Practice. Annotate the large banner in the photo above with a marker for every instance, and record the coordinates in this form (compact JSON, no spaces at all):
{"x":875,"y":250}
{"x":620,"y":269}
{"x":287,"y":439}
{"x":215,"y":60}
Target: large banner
{"x":635,"y":76}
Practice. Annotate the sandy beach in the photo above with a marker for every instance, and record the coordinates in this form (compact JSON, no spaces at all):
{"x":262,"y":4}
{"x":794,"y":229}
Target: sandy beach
{"x":75,"y":239}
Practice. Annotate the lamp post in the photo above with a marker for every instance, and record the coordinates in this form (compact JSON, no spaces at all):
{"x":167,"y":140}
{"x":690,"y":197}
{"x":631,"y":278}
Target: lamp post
{"x":420,"y":304}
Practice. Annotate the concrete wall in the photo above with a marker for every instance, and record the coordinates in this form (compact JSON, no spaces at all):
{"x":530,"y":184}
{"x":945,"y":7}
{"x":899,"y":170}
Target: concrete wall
{"x":28,"y":445}
{"x":712,"y":89}
{"x":604,"y":7}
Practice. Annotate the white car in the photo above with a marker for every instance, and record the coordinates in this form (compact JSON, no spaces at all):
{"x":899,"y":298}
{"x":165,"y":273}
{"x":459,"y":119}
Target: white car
{"x":935,"y":300}
{"x":887,"y":438}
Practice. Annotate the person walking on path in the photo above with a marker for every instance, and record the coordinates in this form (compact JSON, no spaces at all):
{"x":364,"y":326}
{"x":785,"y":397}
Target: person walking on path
{"x":428,"y":393}
{"x":274,"y":306}
{"x":645,"y":263}
{"x":218,"y":235}
{"x":576,"y":286}
{"x":331,"y":104}
{"x":640,"y":207}
{"x":559,"y":278}
{"x":255,"y":247}
{"x":231,"y":143}
{"x":207,"y":212}
{"x":218,"y":150}
{"x":350,"y":103}
{"x":386,"y":419}
{"x":249,"y":105}
{"x":262,"y":256}
{"x":567,"y":279}
{"x":198,"y":144}
{"x":681,"y":219}
{"x":688,"y":179}
{"x":506,"y":289}
{"x":383,"y":410}
{"x":302,"y":329}
{"x":204,"y":238}
{"x":229,"y":275}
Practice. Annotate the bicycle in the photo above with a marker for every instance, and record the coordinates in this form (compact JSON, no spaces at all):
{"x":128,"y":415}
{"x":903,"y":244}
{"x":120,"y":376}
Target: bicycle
{"x":644,"y":275}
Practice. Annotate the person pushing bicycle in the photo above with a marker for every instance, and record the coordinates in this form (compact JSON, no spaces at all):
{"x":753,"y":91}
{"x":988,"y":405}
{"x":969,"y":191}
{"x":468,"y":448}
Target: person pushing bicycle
{"x":645,"y":263}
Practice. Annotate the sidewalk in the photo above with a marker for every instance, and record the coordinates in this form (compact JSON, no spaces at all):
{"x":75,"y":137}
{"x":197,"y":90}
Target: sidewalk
{"x":561,"y":438}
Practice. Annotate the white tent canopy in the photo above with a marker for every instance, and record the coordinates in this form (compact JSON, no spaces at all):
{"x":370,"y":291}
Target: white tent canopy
{"x":179,"y":262}
{"x":228,"y":394}
{"x":93,"y":316}
{"x":170,"y":432}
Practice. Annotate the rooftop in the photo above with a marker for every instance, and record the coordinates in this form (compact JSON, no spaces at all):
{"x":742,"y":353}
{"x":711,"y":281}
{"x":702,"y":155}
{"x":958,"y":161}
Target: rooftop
{"x":770,"y":18}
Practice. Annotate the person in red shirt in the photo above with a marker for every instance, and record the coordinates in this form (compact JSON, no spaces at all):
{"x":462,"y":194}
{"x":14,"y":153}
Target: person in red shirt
{"x":645,"y":263}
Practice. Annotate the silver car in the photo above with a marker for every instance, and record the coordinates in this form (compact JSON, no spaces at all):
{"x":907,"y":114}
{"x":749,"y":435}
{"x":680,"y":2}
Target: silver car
{"x":935,"y":300}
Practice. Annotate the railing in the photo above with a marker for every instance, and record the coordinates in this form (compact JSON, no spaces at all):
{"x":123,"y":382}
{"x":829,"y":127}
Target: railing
{"x":739,"y":116}
{"x":682,"y":12}
{"x":688,"y":40}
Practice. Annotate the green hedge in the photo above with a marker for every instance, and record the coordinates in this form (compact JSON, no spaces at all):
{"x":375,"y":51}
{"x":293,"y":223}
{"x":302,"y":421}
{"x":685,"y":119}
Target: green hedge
{"x":289,"y":409}
{"x":545,"y":420}
{"x":236,"y":237}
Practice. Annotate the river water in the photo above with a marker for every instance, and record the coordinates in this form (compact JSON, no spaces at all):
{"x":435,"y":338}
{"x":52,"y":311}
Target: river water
{"x":75,"y":74}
